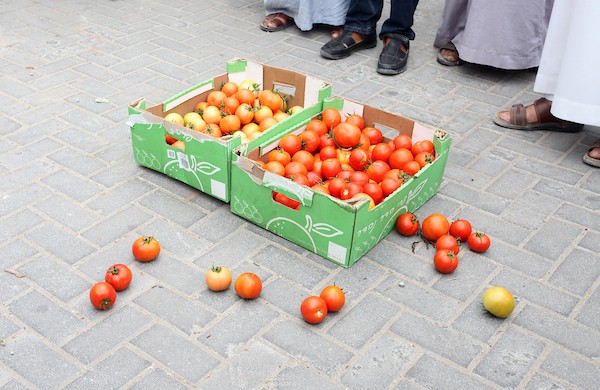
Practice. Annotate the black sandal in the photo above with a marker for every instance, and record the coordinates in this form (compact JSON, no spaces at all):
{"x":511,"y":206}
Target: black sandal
{"x":344,"y":45}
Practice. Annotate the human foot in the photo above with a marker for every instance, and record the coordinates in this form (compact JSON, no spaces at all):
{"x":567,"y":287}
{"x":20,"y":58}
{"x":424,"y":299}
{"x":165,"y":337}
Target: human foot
{"x":536,"y":116}
{"x":276,"y":22}
{"x":394,"y":56}
{"x":448,"y":55}
{"x":592,"y":156}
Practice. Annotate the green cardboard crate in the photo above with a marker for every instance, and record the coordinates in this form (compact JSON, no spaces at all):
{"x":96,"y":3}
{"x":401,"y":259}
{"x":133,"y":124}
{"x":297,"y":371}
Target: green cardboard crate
{"x":332,"y":228}
{"x":206,"y":162}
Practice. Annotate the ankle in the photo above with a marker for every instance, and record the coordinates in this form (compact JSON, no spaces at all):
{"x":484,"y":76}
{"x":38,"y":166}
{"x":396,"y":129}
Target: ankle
{"x":357,"y":36}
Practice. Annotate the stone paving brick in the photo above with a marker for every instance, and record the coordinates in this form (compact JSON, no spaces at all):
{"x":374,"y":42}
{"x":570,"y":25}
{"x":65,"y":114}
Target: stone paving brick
{"x":552,"y":239}
{"x":274,"y":238}
{"x":559,"y":329}
{"x":159,"y":379}
{"x":581,"y":373}
{"x":72,"y":185}
{"x":290,"y":266}
{"x":589,"y":314}
{"x":112,"y":228}
{"x":248,"y":369}
{"x":579,"y":215}
{"x":46,"y":317}
{"x":25,"y":175}
{"x":178,"y":275}
{"x":402,"y":261}
{"x":119,"y":196}
{"x":175,"y":352}
{"x":287,"y":296}
{"x":68,"y":212}
{"x":7,"y":327}
{"x":18,"y":223}
{"x":238,"y":327}
{"x":365,"y":319}
{"x":15,"y":252}
{"x":420,"y":299}
{"x":29,"y":357}
{"x":22,"y":197}
{"x":329,"y":357}
{"x":577,"y":272}
{"x":538,"y":168}
{"x":226,"y":221}
{"x":363,"y":276}
{"x":227,"y":254}
{"x":47,"y":273}
{"x":23,"y":155}
{"x":536,"y":291}
{"x":113,"y":372}
{"x":300,"y":377}
{"x":540,"y":382}
{"x":510,"y":358}
{"x":10,"y":286}
{"x":438,"y":338}
{"x":569,"y":194}
{"x":115,"y":328}
{"x":188,"y":316}
{"x":380,"y":364}
{"x":486,"y":201}
{"x":530,"y":210}
{"x":471,"y":273}
{"x":476,"y":322}
{"x":173,"y":208}
{"x":432,"y":373}
{"x":511,"y":184}
{"x":65,"y":245}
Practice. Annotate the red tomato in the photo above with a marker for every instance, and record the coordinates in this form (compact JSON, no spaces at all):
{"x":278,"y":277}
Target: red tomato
{"x":304,"y":157}
{"x":286,"y":201}
{"x":334,"y":297}
{"x":145,"y":249}
{"x":407,"y":224}
{"x":313,"y":309}
{"x":478,"y":242}
{"x":399,"y":157}
{"x":447,"y":242}
{"x":326,"y":140}
{"x":381,"y":152}
{"x":291,"y":143}
{"x":295,"y":168}
{"x":359,"y":158}
{"x":310,"y":140}
{"x":402,"y":141}
{"x":248,"y":285}
{"x":461,"y":229}
{"x":424,"y":158}
{"x":218,"y":278}
{"x":119,"y":276}
{"x":330,"y":168}
{"x":346,"y":135}
{"x":388,"y":186}
{"x":359,"y":177}
{"x":377,"y":169}
{"x":313,"y":178}
{"x":300,"y":179}
{"x":349,"y":190}
{"x":374,"y":191}
{"x":445,"y":261}
{"x":275,"y":167}
{"x":103,"y":295}
{"x":280,"y":155}
{"x":422,"y":146}
{"x":374,"y":134}
{"x":331,"y":117}
{"x":356,"y":120}
{"x":318,"y":126}
{"x":328,"y":152}
{"x":335,"y":186}
{"x":435,"y":226}
{"x":411,"y":168}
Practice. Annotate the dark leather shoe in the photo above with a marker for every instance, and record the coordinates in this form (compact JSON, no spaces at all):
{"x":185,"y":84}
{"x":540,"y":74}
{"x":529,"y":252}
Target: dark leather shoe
{"x":344,"y":45}
{"x":392,"y":59}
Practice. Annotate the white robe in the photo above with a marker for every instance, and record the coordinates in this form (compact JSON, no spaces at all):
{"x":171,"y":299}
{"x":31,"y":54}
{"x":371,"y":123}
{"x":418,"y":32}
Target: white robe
{"x":306,"y":13}
{"x":570,"y":64}
{"x":505,"y":34}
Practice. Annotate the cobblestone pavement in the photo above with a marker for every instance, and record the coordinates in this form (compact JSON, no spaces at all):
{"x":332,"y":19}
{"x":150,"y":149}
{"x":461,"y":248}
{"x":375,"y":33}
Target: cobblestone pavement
{"x":73,"y":200}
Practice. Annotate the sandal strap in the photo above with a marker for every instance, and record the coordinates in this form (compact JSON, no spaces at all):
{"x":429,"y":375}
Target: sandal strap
{"x":346,"y":39}
{"x":517,"y":115}
{"x":542,"y":109}
{"x":278,"y":18}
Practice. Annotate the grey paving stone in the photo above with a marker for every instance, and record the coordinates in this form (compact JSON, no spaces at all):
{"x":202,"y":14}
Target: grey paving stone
{"x":329,"y":357}
{"x":425,"y":301}
{"x":29,"y":357}
{"x":579,"y":216}
{"x":178,"y":275}
{"x":157,"y":378}
{"x":365,"y":319}
{"x":542,"y":169}
{"x":113,"y":372}
{"x":536,"y":291}
{"x":72,"y":185}
{"x":511,"y":184}
{"x":581,"y":373}
{"x":25,"y":175}
{"x":175,"y":352}
{"x":559,"y":329}
{"x":247,"y":369}
{"x":117,"y":326}
{"x":173,"y":239}
{"x":119,"y":196}
{"x":486,"y":201}
{"x":173,"y":208}
{"x":287,"y":296}
{"x":188,"y":316}
{"x":7,"y":328}
{"x":46,"y":317}
{"x":274,"y":238}
{"x":402,"y":260}
{"x":116,"y":173}
{"x":569,"y":194}
{"x":227,"y":254}
{"x":510,"y":358}
{"x":355,"y":281}
{"x":290,"y":265}
{"x":15,"y":252}
{"x":438,"y":338}
{"x":223,"y":218}
{"x":380,"y":364}
{"x":432,"y":373}
{"x":540,"y":382}
{"x":118,"y":225}
{"x":476,"y":322}
{"x":75,"y":160}
{"x":299,"y":377}
{"x":22,"y":197}
{"x":68,"y":212}
{"x":553,"y":238}
{"x":591,"y":241}
{"x":47,"y":273}
{"x":10,"y":286}
{"x":577,"y":272}
{"x":589,"y":314}
{"x":238,"y":327}
{"x":63,"y":244}
{"x":18,"y":223}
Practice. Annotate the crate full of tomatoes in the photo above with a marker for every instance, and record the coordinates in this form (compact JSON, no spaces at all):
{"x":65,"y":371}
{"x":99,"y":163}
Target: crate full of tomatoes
{"x":192,"y":135}
{"x":336,"y":181}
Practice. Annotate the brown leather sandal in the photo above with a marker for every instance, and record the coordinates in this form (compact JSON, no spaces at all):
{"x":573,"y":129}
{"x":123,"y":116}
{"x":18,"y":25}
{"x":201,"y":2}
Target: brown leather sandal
{"x":446,"y":61}
{"x":276,"y":22}
{"x":595,"y":162}
{"x":546,"y":121}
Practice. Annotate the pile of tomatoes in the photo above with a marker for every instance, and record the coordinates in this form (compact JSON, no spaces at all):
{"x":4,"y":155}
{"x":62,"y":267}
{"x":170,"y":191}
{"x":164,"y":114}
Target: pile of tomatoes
{"x":346,"y":159}
{"x":103,"y":295}
{"x":447,"y":237}
{"x":248,"y":285}
{"x":315,"y":308}
{"x":236,"y":109}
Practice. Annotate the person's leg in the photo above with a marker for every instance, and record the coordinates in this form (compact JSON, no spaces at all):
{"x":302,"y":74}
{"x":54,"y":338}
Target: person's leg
{"x":396,"y":33}
{"x":359,"y":30}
